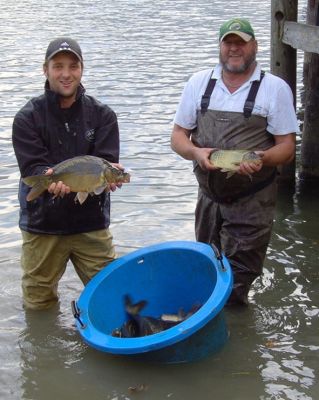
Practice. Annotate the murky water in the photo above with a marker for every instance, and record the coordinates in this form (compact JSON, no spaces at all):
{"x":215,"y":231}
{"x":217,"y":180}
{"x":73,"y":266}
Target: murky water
{"x":138,"y":54}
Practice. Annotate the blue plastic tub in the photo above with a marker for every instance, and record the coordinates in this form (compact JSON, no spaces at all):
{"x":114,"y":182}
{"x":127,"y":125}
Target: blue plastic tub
{"x":170,"y":276}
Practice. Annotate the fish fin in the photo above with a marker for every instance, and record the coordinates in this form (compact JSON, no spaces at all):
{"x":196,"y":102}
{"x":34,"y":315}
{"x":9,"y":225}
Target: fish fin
{"x":99,"y":189}
{"x":81,"y":197}
{"x":133,"y":309}
{"x":230,"y":174}
{"x":39,"y":185}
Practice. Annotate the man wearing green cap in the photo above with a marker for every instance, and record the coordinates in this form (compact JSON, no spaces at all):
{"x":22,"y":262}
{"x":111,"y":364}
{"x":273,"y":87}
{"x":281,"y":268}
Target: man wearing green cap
{"x":236,"y":106}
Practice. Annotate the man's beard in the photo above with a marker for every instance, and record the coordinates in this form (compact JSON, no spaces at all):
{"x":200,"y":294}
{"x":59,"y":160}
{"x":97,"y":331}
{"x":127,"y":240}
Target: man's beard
{"x":241,"y":68}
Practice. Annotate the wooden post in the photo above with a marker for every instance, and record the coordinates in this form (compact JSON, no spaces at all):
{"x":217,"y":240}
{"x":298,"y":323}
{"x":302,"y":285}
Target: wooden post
{"x":284,"y":62}
{"x":309,"y":169}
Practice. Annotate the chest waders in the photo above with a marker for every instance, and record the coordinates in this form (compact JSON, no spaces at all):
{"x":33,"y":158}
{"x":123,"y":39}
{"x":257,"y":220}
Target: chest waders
{"x":235,"y":214}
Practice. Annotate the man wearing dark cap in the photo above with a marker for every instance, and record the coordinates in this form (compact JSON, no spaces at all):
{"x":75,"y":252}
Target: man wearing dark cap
{"x":236,"y":106}
{"x":62,"y":123}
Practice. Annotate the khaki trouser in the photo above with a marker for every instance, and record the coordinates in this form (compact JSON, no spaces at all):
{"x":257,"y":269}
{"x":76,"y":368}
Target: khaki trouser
{"x":45,"y":257}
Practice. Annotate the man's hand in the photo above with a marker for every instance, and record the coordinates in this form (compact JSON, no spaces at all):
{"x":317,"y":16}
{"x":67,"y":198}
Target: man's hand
{"x":58,"y":189}
{"x":249,"y":168}
{"x":202,"y":157}
{"x":113,"y":186}
{"x":181,"y":143}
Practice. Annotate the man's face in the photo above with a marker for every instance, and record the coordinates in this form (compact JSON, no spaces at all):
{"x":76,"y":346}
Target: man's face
{"x":236,"y":55}
{"x":64,"y":73}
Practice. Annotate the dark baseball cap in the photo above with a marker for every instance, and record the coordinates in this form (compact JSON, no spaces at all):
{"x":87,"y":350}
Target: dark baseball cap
{"x":63,"y":44}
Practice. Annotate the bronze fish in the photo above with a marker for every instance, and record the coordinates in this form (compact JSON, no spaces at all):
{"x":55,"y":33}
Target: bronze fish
{"x":83,"y":174}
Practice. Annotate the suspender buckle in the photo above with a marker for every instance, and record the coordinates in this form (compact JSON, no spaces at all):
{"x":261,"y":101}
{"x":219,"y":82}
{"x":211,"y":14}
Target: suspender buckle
{"x":204,"y":103}
{"x":248,"y":108}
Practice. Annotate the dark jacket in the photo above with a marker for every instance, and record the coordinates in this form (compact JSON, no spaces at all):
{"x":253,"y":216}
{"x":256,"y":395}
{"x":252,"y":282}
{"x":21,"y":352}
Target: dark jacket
{"x":44,"y":135}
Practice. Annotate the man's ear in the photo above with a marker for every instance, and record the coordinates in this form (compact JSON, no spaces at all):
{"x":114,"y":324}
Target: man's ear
{"x":45,"y":70}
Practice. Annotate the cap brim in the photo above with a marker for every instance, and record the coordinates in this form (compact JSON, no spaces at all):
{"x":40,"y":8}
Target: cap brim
{"x":243,"y":35}
{"x":65,"y":50}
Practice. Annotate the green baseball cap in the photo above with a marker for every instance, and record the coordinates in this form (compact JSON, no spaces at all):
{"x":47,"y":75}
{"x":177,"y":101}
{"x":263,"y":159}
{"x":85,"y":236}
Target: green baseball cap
{"x":237,"y":26}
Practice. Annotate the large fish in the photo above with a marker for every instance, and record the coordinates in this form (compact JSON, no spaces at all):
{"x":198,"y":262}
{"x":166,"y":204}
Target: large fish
{"x":138,"y":325}
{"x":83,"y":174}
{"x":229,"y":160}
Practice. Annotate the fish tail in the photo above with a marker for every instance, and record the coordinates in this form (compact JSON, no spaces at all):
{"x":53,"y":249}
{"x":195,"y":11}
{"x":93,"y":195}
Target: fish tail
{"x":39,"y":184}
{"x":133,"y":309}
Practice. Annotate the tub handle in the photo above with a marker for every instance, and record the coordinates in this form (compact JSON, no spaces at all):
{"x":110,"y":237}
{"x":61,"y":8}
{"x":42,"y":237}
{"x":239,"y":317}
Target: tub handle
{"x":218,"y":255}
{"x":76,"y":313}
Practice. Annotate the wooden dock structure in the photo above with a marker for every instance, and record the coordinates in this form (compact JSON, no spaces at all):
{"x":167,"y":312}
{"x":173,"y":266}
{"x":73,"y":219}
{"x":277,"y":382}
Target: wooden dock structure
{"x":287,"y":35}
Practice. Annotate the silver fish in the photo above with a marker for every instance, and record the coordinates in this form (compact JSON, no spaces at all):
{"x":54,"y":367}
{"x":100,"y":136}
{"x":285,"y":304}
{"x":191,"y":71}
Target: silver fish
{"x":229,"y":160}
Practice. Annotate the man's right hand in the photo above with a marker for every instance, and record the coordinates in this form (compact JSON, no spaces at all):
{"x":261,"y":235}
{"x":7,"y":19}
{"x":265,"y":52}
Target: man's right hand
{"x":58,"y":189}
{"x":181,"y":143}
{"x":202,"y":157}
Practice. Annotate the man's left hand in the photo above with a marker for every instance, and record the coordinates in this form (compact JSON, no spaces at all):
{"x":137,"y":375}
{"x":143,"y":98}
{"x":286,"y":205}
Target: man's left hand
{"x":249,"y":168}
{"x":113,"y":186}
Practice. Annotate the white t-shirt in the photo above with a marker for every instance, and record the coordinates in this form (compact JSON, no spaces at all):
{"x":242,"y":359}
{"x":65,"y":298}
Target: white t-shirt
{"x":274,"y":100}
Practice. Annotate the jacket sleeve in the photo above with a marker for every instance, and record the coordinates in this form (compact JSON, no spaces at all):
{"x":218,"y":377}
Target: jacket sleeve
{"x":31,"y":153}
{"x":107,"y":138}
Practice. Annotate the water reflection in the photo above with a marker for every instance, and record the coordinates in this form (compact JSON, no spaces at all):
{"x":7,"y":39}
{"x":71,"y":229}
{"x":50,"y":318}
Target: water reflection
{"x":47,"y":349}
{"x":284,"y":359}
{"x":285,"y":316}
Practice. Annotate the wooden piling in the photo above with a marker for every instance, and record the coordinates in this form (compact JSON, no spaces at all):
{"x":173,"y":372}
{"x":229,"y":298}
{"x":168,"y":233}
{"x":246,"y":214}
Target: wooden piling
{"x":283,"y":62}
{"x":309,"y":168}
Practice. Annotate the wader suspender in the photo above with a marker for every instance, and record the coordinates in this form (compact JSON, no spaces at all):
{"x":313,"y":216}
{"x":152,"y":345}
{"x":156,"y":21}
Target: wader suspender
{"x":249,"y":103}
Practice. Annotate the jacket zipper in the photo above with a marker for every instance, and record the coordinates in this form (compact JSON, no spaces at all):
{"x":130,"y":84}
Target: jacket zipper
{"x":67,"y":128}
